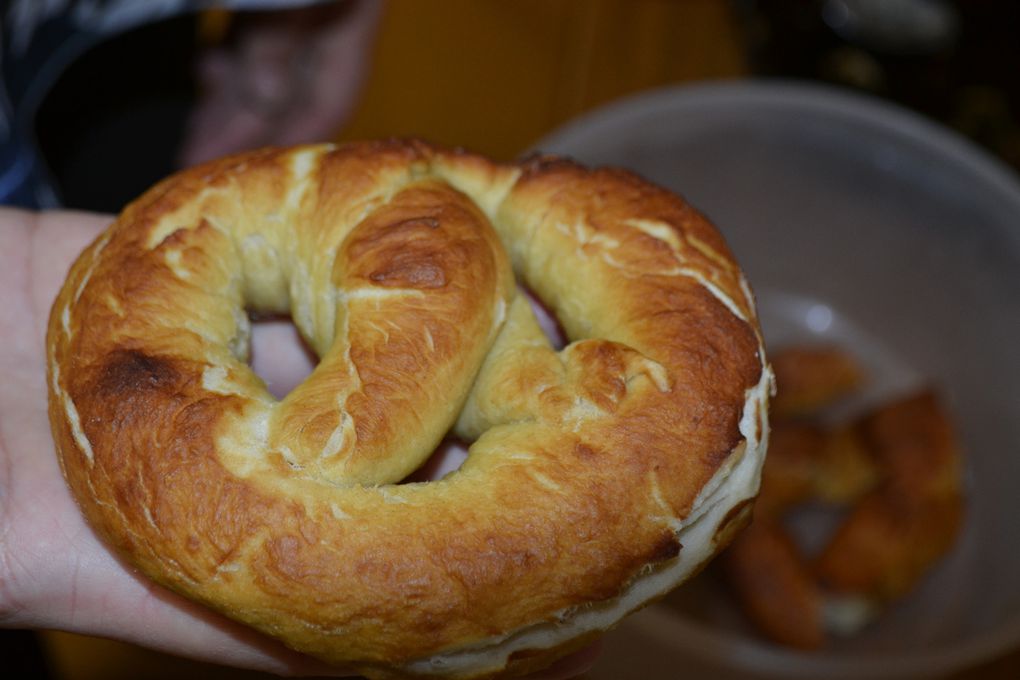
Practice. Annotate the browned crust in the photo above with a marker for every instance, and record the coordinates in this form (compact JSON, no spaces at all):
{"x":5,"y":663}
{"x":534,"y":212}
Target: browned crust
{"x":152,"y":413}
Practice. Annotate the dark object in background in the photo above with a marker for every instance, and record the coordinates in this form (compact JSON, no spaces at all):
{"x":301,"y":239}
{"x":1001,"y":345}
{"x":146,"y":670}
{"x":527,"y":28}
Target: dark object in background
{"x":113,"y":123}
{"x":110,"y":127}
{"x":22,"y":655}
{"x":954,"y":61}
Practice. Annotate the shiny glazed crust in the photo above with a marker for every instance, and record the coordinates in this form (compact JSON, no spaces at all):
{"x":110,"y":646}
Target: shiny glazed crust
{"x":600,"y":476}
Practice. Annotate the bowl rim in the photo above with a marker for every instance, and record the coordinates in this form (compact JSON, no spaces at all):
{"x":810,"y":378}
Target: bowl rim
{"x":832,"y":102}
{"x":866,"y":112}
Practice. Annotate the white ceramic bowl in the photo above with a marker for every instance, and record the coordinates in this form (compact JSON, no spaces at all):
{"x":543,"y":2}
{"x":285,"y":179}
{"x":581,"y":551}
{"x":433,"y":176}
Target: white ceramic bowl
{"x":859,"y":222}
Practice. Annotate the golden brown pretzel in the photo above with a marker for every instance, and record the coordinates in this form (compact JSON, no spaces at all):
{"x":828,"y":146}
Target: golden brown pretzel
{"x":600,"y":476}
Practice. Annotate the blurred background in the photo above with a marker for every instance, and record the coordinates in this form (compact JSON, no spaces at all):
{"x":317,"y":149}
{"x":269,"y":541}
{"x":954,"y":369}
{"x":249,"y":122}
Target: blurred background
{"x":497,"y":77}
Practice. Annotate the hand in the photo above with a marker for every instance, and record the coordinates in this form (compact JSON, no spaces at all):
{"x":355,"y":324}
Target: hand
{"x":54,"y":572}
{"x":291,"y":76}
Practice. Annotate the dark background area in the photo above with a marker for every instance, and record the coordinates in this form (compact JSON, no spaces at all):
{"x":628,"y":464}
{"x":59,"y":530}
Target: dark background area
{"x":964,"y":72}
{"x":496,"y":77}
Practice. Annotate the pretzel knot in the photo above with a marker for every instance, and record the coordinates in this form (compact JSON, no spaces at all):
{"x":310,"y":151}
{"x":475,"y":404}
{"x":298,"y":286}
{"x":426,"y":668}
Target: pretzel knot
{"x":600,"y":475}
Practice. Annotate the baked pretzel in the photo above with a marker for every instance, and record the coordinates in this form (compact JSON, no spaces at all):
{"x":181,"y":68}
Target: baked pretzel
{"x":599,"y":477}
{"x":895,"y":472}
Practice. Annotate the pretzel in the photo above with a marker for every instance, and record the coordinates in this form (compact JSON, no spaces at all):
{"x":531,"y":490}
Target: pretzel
{"x":600,"y":475}
{"x":894,"y":472}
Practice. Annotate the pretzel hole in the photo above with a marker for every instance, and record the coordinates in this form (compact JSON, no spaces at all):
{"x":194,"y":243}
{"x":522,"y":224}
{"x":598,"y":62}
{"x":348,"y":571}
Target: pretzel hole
{"x":279,"y":354}
{"x":547,"y":320}
{"x":448,"y":457}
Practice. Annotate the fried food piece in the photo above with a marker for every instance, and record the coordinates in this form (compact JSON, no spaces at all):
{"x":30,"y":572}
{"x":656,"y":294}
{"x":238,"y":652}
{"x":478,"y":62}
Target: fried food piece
{"x":895,"y":470}
{"x":773,"y":580}
{"x":775,"y":586}
{"x":788,"y":476}
{"x":892,"y":538}
{"x":809,"y":463}
{"x":914,"y":442}
{"x":810,"y":378}
{"x":887,"y":544}
{"x":844,"y":468}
